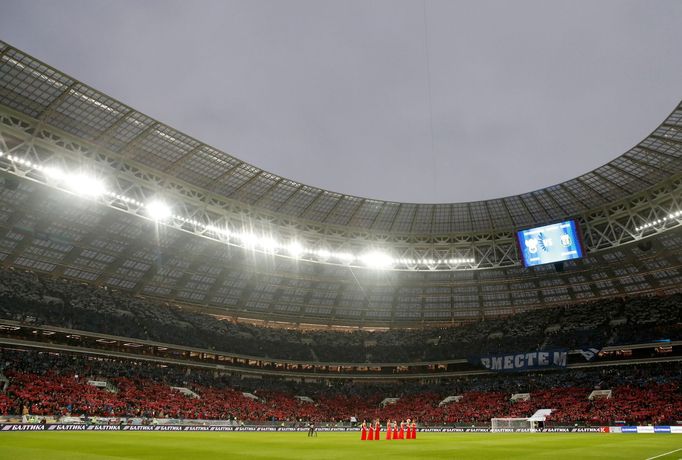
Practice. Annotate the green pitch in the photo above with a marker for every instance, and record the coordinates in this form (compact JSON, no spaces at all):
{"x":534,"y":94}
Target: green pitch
{"x":346,"y":446}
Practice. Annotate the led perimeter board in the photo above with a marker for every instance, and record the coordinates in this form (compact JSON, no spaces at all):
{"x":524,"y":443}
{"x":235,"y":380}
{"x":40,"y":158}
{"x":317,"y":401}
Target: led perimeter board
{"x":550,"y":243}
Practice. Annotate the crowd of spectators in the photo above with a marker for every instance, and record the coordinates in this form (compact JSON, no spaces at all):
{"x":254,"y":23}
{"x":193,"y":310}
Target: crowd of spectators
{"x":44,"y":383}
{"x":29,"y":298}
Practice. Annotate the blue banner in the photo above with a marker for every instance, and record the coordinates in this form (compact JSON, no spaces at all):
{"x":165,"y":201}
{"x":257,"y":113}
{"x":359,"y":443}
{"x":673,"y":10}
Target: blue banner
{"x":522,"y":361}
{"x":589,"y":353}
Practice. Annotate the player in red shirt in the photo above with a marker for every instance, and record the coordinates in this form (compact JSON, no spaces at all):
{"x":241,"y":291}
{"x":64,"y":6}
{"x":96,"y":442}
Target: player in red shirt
{"x":414,"y":429}
{"x":395,"y":429}
{"x":370,"y":431}
{"x":364,"y":431}
{"x":389,"y":430}
{"x":408,"y":433}
{"x":377,"y":430}
{"x":401,"y":433}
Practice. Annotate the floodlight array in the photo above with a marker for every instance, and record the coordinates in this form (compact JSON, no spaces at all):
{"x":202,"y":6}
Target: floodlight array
{"x":672,"y":216}
{"x":158,"y":210}
{"x":377,"y":259}
{"x":88,"y":185}
{"x":81,"y":183}
{"x":435,"y":261}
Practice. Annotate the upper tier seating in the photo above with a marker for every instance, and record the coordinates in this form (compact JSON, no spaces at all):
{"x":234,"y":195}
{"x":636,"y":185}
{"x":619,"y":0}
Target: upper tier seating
{"x":29,"y":298}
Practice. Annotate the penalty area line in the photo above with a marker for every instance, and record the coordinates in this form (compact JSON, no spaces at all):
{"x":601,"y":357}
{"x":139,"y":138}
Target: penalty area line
{"x":663,"y":454}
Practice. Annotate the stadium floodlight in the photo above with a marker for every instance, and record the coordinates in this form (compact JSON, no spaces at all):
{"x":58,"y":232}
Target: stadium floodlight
{"x":344,"y":257}
{"x":461,"y":261}
{"x":224,"y":232}
{"x":54,"y":173}
{"x":89,"y":185}
{"x":377,"y":259}
{"x":671,"y":216}
{"x":295,"y":249}
{"x":158,"y":210}
{"x":323,"y":254}
{"x":268,"y":244}
{"x":249,"y":240}
{"x":85,"y":185}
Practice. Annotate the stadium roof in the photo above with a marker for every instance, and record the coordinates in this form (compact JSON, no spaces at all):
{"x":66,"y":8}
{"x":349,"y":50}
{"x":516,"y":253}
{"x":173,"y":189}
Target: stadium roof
{"x":629,"y":210}
{"x":39,"y":91}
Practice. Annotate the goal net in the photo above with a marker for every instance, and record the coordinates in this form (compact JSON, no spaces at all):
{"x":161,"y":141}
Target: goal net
{"x":511,"y":424}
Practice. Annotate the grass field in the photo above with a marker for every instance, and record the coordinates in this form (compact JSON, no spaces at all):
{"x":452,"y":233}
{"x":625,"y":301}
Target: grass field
{"x":347,"y":446}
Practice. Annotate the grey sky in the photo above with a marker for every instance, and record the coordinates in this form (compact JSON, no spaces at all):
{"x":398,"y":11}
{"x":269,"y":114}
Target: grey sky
{"x":524,"y":94}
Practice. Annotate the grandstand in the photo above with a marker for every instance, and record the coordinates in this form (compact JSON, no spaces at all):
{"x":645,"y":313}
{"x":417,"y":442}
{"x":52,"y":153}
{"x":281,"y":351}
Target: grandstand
{"x":147,"y":277}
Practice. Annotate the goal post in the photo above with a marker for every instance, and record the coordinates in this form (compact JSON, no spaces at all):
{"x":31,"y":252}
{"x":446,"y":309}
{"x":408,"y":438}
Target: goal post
{"x":510,"y":423}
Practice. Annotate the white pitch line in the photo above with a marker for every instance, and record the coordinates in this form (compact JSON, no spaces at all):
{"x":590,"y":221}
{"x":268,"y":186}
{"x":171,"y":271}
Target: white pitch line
{"x":666,"y":453}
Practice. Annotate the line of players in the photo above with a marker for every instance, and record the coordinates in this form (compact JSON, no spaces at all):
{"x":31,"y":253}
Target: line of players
{"x":372,"y":432}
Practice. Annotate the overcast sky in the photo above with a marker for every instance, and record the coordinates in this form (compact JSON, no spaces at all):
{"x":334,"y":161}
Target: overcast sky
{"x":523,"y":94}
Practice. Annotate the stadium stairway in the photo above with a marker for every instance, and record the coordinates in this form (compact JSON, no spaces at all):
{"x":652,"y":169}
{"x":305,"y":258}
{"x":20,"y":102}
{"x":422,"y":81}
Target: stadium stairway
{"x":540,"y":415}
{"x":186,"y":391}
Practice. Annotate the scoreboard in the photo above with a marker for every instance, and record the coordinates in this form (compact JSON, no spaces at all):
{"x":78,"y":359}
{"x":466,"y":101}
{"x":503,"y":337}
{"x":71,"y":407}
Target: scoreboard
{"x":550,"y":243}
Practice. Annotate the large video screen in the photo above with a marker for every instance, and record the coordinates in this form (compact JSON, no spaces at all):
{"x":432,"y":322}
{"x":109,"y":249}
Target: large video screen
{"x":550,"y":243}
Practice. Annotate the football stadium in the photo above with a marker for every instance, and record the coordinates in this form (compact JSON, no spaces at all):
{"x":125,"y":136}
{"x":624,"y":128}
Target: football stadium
{"x":161,"y":299}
